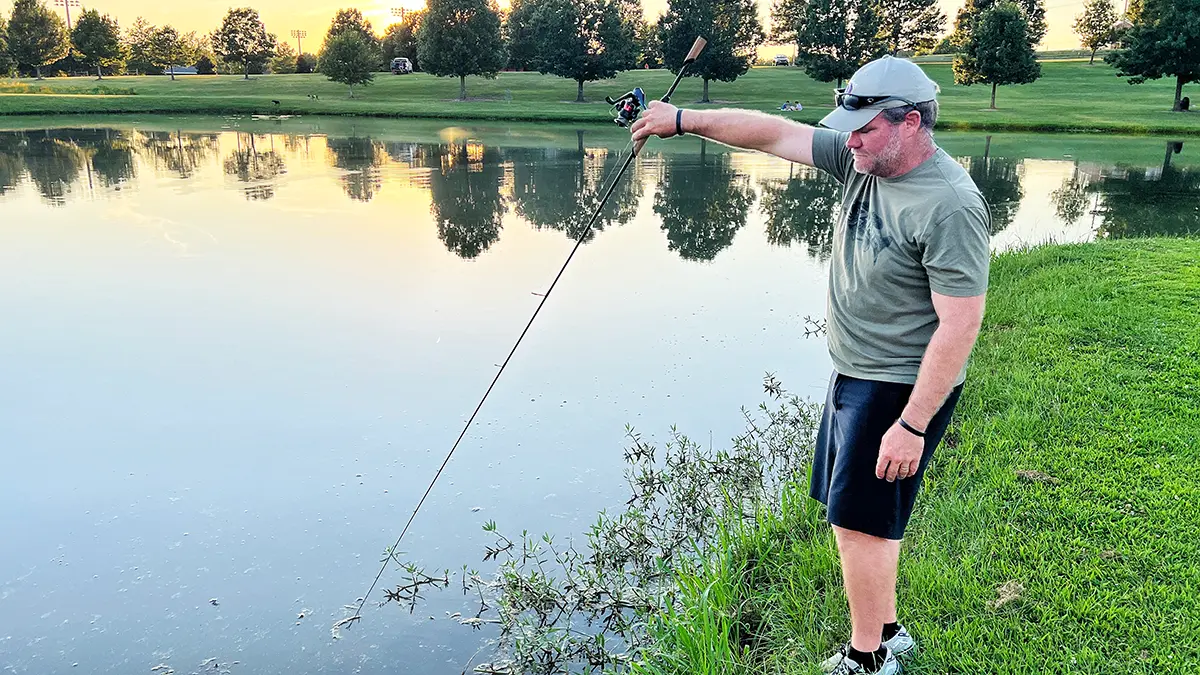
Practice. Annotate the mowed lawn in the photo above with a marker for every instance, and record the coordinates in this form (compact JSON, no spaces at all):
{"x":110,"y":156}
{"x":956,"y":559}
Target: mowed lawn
{"x":1070,"y":95}
{"x":1058,"y":527}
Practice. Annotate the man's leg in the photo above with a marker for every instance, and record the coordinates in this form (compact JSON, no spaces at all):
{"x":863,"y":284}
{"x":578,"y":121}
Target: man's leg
{"x":869,"y":570}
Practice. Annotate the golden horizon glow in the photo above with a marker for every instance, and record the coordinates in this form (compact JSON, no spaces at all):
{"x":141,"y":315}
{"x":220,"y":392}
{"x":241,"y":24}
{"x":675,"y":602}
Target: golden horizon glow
{"x":283,"y":16}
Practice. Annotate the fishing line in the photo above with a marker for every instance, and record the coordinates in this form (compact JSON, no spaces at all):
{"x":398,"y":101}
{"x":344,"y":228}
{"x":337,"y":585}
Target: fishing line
{"x":630,"y":113}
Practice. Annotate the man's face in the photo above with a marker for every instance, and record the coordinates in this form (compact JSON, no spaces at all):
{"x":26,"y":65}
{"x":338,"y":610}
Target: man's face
{"x":878,"y":147}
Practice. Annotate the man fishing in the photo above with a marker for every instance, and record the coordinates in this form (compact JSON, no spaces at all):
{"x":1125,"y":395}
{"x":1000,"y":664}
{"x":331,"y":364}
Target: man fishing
{"x":907,"y":282}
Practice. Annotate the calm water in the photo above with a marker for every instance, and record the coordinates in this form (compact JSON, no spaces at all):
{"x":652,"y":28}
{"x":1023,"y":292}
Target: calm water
{"x":235,"y":351}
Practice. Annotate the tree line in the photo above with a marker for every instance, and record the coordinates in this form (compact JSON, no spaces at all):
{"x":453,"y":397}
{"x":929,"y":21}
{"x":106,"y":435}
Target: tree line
{"x":993,"y":41}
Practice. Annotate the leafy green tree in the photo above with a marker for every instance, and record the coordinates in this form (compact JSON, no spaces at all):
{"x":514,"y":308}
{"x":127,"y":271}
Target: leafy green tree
{"x":702,"y":205}
{"x":1134,"y":10}
{"x":352,"y":20}
{"x":348,"y":58}
{"x":1034,"y":12}
{"x":1096,"y":27}
{"x":284,"y":61}
{"x":584,"y":40}
{"x":910,"y":26}
{"x":6,"y":64}
{"x":97,"y":40}
{"x":835,"y":37}
{"x":242,"y":39}
{"x":36,"y":36}
{"x":946,"y":46}
{"x":400,"y":40}
{"x":999,"y":51}
{"x":460,"y":38}
{"x":306,"y":63}
{"x":731,"y":28}
{"x":169,"y":48}
{"x":205,"y":66}
{"x":648,"y":40}
{"x":139,"y":47}
{"x":1164,"y":41}
{"x":520,"y":34}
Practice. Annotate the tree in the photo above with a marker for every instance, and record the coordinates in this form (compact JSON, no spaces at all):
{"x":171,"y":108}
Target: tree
{"x":284,"y":61}
{"x":36,"y":36}
{"x":461,"y":37}
{"x":306,"y":63}
{"x":731,"y":28}
{"x":911,"y":26}
{"x":349,"y":58}
{"x":139,"y":46}
{"x":6,"y":64}
{"x":205,"y":66}
{"x":1164,"y":41}
{"x":648,"y":40}
{"x":401,"y":39}
{"x":585,"y":40}
{"x":835,"y":37}
{"x":1133,"y":11}
{"x":520,"y":35}
{"x":1033,"y":11}
{"x":946,"y":46}
{"x":352,"y":20}
{"x":999,"y":51}
{"x":168,"y":48}
{"x":1097,"y":26}
{"x":243,"y":39}
{"x":97,"y":40}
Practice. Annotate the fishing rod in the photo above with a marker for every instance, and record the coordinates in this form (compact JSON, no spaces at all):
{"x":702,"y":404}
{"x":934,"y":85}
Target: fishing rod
{"x":627,"y":108}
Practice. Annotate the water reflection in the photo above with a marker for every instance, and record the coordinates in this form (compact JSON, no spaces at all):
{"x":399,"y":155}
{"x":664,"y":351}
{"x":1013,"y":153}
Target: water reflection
{"x":802,"y":209}
{"x":559,"y":189}
{"x":258,"y":170}
{"x":359,"y":159}
{"x":467,"y":205}
{"x":701,"y":196}
{"x":703,"y":202}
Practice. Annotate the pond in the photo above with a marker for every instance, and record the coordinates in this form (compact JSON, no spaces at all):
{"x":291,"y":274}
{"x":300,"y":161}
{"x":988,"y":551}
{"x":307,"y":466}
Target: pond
{"x":236,"y":350}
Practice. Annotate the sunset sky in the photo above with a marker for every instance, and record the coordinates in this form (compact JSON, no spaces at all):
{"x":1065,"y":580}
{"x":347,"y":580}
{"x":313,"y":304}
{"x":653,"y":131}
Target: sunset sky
{"x":282,"y":16}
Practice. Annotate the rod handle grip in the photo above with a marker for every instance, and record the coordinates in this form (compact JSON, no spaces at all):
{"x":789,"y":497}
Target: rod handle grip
{"x":637,"y":146}
{"x":697,"y":47}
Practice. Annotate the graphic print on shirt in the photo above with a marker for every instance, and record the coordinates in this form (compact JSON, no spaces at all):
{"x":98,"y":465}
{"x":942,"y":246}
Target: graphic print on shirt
{"x":866,"y":227}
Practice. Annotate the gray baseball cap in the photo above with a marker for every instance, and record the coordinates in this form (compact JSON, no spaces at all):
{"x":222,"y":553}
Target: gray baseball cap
{"x":884,"y":83}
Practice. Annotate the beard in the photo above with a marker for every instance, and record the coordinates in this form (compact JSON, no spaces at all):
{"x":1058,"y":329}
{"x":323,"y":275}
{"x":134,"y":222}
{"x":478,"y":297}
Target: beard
{"x":886,"y":162}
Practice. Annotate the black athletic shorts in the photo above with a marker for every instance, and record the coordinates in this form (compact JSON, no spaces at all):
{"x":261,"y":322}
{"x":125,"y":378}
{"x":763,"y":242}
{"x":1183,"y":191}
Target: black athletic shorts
{"x":857,"y":414}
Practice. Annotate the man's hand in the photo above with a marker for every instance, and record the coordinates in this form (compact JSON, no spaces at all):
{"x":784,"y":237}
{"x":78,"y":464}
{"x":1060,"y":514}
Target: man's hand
{"x":657,"y":120}
{"x":899,"y":454}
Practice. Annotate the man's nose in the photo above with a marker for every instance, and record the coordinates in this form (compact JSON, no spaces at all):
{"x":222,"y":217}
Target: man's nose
{"x":854,"y":141}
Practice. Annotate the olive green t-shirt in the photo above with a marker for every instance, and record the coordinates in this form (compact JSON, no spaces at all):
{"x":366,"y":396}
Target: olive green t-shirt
{"x":895,"y":241}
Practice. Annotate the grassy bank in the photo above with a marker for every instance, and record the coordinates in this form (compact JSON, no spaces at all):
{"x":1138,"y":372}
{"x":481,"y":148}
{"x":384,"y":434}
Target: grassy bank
{"x":1070,"y":96}
{"x":1057,"y":531}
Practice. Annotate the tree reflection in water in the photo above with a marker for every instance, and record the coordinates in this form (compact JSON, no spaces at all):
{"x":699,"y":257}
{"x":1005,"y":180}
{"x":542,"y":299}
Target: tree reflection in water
{"x":703,"y":202}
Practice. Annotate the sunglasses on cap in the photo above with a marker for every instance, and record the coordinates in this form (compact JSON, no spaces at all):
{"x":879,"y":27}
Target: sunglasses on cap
{"x":856,"y":102}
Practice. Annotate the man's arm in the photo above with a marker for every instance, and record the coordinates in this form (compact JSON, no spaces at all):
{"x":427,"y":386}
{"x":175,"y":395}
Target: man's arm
{"x":740,"y":128}
{"x":958,"y":327}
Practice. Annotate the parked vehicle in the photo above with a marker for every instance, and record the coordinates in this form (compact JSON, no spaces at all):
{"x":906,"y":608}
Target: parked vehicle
{"x":401,"y":65}
{"x":782,"y":60}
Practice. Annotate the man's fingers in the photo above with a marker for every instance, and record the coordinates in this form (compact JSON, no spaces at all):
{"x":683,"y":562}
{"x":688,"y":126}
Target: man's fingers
{"x":893,"y":470}
{"x":881,"y":467}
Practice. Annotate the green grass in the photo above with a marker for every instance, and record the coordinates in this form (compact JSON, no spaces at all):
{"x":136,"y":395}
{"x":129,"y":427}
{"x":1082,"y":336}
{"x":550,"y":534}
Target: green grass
{"x":1072,"y":472}
{"x":1069,"y":96}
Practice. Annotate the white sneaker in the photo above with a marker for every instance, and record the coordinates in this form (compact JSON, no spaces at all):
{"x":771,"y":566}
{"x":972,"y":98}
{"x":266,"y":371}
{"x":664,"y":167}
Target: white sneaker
{"x":902,"y":645}
{"x":848,"y":666}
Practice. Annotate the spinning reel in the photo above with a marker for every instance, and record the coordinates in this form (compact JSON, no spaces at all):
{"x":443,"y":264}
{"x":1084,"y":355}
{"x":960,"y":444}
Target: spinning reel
{"x":628,"y":107}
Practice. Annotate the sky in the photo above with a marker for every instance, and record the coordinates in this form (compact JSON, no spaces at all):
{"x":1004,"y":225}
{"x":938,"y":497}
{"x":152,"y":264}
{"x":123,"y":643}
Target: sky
{"x":313,"y":16}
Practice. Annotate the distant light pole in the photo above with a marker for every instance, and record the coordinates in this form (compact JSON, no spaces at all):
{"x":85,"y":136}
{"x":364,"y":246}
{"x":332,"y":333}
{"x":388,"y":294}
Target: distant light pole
{"x":299,"y":35}
{"x":67,"y":5}
{"x":399,"y":12}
